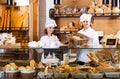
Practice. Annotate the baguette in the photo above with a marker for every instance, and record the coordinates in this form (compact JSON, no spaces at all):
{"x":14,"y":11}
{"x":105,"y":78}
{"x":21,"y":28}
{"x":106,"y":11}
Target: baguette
{"x":8,"y":20}
{"x":5,"y":20}
{"x":93,"y":57}
{"x":3,"y":17}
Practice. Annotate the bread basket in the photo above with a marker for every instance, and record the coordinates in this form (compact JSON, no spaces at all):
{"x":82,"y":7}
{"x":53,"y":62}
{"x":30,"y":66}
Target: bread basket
{"x":77,"y":42}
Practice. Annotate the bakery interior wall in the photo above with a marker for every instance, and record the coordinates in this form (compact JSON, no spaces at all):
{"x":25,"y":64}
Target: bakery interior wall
{"x":106,"y":24}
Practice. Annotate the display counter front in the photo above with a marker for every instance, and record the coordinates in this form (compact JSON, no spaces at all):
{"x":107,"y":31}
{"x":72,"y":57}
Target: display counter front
{"x":62,"y":63}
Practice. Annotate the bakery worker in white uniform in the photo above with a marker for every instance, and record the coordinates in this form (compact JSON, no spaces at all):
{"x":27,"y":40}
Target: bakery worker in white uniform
{"x":93,"y":42}
{"x":50,"y":40}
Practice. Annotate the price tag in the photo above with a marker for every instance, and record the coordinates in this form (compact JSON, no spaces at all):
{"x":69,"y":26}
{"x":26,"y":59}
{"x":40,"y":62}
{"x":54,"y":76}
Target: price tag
{"x":111,"y":43}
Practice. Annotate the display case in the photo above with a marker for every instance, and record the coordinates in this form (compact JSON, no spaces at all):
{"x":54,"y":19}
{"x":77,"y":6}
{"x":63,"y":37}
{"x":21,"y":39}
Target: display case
{"x":104,"y":65}
{"x":109,"y":53}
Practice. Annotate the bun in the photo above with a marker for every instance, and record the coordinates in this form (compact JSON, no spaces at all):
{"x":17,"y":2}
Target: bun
{"x":7,"y":67}
{"x":21,"y":68}
{"x":91,"y":11}
{"x":29,"y":68}
{"x":115,"y":11}
{"x":11,"y":66}
{"x":99,"y":11}
{"x":92,"y":3}
{"x":107,"y":11}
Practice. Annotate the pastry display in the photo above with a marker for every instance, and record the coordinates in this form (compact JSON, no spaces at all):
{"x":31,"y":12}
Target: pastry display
{"x":97,"y":7}
{"x":11,"y":67}
{"x":69,"y":11}
{"x":70,"y":27}
{"x":27,"y":72}
{"x":35,"y":44}
{"x":102,"y":65}
{"x":11,"y":70}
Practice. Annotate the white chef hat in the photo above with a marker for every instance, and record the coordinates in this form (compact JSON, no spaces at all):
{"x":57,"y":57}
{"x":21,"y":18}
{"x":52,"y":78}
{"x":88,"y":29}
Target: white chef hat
{"x":85,"y":17}
{"x":50,"y":23}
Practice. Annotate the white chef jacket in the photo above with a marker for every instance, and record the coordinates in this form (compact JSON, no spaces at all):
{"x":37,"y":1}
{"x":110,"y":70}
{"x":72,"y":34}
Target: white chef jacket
{"x":93,"y":43}
{"x":49,"y":42}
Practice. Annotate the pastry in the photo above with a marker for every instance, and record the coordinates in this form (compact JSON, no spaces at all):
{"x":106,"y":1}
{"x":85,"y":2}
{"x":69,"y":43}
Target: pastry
{"x":107,"y":11}
{"x":115,"y":11}
{"x":21,"y":68}
{"x":76,"y":37}
{"x":29,"y":68}
{"x":99,"y":11}
{"x":91,"y":11}
{"x":92,"y":3}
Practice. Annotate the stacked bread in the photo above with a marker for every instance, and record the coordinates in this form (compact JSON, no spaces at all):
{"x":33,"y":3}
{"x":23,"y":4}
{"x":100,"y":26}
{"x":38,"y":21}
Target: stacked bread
{"x":98,"y":8}
{"x":102,"y":65}
{"x":71,"y":26}
{"x":11,"y":67}
{"x":95,"y":7}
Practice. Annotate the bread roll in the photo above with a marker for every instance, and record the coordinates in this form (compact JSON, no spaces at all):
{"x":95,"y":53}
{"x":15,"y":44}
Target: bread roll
{"x":21,"y":68}
{"x":29,"y":68}
{"x":107,"y":11}
{"x":91,"y":11}
{"x":115,"y":10}
{"x":99,"y":11}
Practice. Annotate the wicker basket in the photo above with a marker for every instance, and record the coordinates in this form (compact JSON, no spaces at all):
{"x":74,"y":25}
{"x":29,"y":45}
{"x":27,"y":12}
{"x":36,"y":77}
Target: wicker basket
{"x":76,"y":43}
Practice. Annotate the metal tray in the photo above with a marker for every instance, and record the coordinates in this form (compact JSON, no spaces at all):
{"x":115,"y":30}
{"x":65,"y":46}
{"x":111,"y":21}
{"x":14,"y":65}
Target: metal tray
{"x":78,"y":76}
{"x":95,"y":75}
{"x":61,"y":75}
{"x":112,"y":74}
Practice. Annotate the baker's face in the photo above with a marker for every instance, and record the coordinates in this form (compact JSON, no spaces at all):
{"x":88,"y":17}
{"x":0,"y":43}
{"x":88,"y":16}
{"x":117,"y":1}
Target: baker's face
{"x":50,"y":29}
{"x":86,"y":23}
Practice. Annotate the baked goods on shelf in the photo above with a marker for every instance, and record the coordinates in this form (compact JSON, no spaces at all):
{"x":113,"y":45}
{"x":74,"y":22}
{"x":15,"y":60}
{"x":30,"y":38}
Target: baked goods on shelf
{"x":71,"y":26}
{"x":91,"y":11}
{"x":107,"y":11}
{"x":99,"y":11}
{"x":76,"y":40}
{"x":11,"y":67}
{"x":102,"y":65}
{"x":101,"y":8}
{"x":35,"y":44}
{"x":115,"y":10}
